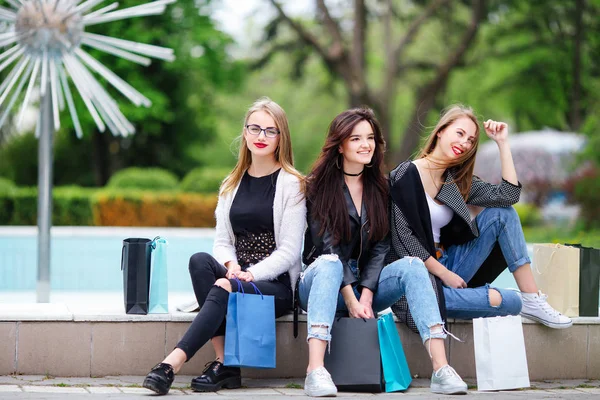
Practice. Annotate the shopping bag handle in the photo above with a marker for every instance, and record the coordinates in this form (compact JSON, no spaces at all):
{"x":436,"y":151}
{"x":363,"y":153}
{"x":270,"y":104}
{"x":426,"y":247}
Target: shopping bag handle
{"x":157,"y":239}
{"x":556,"y":247}
{"x":241,"y":288}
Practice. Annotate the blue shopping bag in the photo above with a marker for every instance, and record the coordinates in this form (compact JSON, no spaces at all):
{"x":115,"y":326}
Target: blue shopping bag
{"x":159,"y":288}
{"x":395,"y":368}
{"x":250,"y":330}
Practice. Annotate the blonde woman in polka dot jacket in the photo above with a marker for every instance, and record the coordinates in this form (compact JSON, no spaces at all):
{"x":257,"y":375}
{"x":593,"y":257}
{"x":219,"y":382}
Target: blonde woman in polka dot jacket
{"x":430,"y":219}
{"x":261,"y":217}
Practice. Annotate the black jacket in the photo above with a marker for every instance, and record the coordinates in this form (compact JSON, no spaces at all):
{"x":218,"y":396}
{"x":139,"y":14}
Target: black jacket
{"x":411,"y":224}
{"x":371,"y":255}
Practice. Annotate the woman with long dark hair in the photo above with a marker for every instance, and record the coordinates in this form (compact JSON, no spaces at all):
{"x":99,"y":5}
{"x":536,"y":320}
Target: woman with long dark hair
{"x":345,"y":246}
{"x":261,"y":216}
{"x":431,"y":220}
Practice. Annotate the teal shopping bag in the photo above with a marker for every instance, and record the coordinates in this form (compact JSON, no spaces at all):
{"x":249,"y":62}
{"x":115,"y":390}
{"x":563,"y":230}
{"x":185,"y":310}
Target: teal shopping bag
{"x":395,"y":368}
{"x":159,"y":288}
{"x":250,"y":329}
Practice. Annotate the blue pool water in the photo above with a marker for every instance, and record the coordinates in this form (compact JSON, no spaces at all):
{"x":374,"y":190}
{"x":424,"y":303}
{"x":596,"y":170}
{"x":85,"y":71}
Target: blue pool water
{"x":82,"y":260}
{"x":89,"y":259}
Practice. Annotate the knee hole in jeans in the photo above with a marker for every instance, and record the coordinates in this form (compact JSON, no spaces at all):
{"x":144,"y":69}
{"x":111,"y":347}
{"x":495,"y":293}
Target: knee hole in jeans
{"x":495,"y":298}
{"x":319,"y":329}
{"x":223,"y":283}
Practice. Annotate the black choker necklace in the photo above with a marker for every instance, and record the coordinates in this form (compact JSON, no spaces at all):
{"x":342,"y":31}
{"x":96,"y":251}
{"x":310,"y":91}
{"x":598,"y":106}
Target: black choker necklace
{"x":345,"y":173}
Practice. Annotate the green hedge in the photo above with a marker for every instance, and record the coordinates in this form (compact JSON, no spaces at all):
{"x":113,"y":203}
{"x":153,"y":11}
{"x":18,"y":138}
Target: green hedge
{"x":72,"y":206}
{"x":529,"y":214}
{"x":6,"y":185}
{"x":204,"y":180}
{"x":587,"y":194}
{"x":77,"y":206}
{"x":144,"y":178}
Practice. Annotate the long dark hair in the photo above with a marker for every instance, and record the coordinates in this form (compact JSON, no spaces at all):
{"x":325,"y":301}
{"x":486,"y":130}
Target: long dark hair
{"x":324,"y":189}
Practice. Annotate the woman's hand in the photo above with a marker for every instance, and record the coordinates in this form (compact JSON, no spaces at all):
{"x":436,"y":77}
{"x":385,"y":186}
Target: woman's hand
{"x":359,"y":310}
{"x":497,"y":131}
{"x":366,"y":299}
{"x":245,"y":276}
{"x":233,"y":269}
{"x":452,"y":280}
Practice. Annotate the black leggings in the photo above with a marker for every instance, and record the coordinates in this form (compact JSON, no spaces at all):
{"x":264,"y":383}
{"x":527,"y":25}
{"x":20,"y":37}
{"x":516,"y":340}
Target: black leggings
{"x":212,"y":299}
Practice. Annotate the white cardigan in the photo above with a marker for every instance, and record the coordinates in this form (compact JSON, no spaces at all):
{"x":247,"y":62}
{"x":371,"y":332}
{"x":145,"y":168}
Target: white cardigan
{"x":289,"y":223}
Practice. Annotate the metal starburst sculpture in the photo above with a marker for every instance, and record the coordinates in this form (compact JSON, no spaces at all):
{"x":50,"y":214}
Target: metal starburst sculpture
{"x":47,"y":37}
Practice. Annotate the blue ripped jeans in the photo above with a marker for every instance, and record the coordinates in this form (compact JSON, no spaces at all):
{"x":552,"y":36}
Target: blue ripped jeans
{"x":319,"y":294}
{"x":496,"y":225}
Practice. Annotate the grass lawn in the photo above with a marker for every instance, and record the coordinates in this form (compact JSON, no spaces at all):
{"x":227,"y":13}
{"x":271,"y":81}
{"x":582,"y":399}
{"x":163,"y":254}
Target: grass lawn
{"x":543,"y":234}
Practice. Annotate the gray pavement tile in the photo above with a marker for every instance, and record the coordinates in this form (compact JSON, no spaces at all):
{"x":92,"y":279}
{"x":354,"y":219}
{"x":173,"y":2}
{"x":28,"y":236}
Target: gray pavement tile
{"x":103,"y":390}
{"x":290,"y":392}
{"x":9,"y":388}
{"x":354,"y":394}
{"x":564,"y":391}
{"x":271,"y":383}
{"x":31,"y":378}
{"x":74,"y":381}
{"x":590,"y":390}
{"x":420,"y":382}
{"x":136,"y":390}
{"x":249,"y":392}
{"x":9,"y":380}
{"x":204,"y":395}
{"x":54,"y":389}
{"x":411,"y":391}
{"x":557,"y":384}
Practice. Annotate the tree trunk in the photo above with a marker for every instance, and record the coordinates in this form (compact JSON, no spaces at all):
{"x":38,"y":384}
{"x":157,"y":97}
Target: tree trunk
{"x":427,"y":95}
{"x":575,"y":117}
{"x":100,"y":158}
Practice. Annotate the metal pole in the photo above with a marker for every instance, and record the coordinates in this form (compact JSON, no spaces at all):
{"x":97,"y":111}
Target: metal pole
{"x":45,"y":159}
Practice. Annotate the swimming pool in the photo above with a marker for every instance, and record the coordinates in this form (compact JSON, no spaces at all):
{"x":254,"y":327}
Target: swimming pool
{"x":89,"y":259}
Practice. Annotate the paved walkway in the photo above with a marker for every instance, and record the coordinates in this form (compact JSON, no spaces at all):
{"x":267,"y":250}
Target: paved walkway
{"x":129,"y":387}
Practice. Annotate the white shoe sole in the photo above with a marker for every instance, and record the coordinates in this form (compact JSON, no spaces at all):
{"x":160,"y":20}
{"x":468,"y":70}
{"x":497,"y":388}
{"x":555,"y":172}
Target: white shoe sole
{"x":455,"y":390}
{"x":321,"y":393}
{"x":549,"y":324}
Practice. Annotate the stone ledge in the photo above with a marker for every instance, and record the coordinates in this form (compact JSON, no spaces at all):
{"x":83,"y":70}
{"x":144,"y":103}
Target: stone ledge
{"x":114,"y":313}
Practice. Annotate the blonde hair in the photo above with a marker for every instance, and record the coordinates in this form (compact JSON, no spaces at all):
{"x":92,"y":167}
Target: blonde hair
{"x":283,"y":153}
{"x":464,"y":165}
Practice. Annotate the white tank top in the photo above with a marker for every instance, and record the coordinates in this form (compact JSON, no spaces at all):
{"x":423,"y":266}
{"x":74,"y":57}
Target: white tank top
{"x":440,"y":214}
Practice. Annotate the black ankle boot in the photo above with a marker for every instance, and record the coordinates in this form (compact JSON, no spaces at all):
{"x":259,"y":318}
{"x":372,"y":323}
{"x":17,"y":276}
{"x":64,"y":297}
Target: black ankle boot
{"x":217,"y":376}
{"x":160,"y":378}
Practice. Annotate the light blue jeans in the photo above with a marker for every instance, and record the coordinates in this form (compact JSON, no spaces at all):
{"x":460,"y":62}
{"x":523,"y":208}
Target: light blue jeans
{"x":496,"y":225}
{"x":319,"y":294}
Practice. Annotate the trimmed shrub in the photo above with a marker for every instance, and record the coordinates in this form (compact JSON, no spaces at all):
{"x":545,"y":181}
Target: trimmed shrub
{"x":144,"y":179}
{"x":587,"y":194}
{"x":529,"y":214}
{"x":136,"y":208}
{"x":75,"y":206}
{"x":6,"y":185}
{"x":71,"y":207}
{"x":204,"y":180}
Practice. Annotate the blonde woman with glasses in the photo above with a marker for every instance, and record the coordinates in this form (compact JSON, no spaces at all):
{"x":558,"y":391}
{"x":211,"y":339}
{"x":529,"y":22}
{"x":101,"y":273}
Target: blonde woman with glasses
{"x":261,"y":216}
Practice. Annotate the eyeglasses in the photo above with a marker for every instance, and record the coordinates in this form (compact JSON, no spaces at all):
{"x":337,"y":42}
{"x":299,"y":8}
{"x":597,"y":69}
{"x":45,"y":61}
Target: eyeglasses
{"x":256,"y":130}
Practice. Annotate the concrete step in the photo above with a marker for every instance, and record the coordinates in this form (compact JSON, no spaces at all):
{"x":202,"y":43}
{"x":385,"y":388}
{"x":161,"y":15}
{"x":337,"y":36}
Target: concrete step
{"x":86,"y":340}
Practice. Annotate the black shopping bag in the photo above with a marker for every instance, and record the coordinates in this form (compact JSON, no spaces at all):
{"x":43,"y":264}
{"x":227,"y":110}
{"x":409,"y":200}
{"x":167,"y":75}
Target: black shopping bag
{"x":354,"y":360}
{"x":135,"y":264}
{"x":589,"y":280}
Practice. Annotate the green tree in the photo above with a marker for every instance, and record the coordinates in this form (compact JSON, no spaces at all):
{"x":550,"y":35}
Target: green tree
{"x":182,"y":95}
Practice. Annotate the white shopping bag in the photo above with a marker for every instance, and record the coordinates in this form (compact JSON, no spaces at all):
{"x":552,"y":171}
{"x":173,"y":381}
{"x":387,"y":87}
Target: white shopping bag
{"x":500,"y":359}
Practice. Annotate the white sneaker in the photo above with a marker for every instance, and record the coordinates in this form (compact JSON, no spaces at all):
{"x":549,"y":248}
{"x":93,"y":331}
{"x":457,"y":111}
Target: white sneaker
{"x":446,"y":381}
{"x":318,"y":383}
{"x":536,"y":307}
